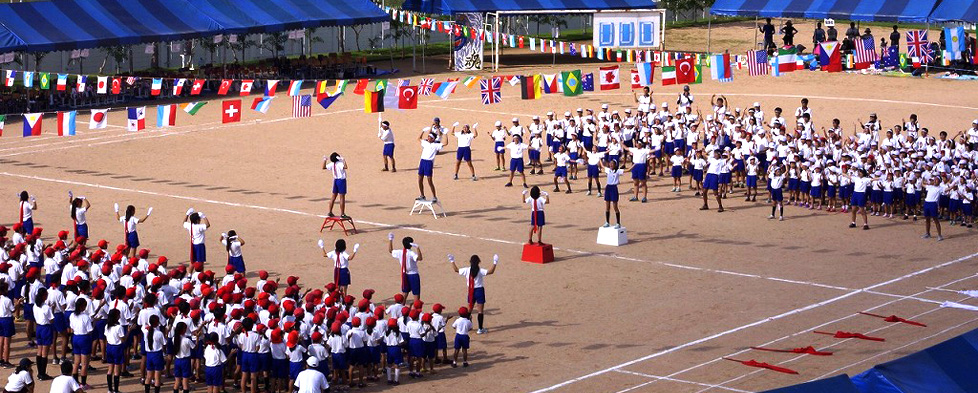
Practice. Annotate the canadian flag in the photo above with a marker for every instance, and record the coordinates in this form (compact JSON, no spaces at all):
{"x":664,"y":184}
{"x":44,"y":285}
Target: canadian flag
{"x":636,"y":81}
{"x":246,"y":86}
{"x":609,"y":78}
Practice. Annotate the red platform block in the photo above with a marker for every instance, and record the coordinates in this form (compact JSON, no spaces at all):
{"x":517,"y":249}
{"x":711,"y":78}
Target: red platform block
{"x":538,"y":253}
{"x":332,"y":221}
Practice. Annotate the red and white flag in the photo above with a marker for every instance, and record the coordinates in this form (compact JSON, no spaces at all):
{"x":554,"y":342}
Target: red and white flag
{"x":246,"y":86}
{"x":100,"y":119}
{"x":103,"y":85}
{"x":407,"y":97}
{"x":609,"y":78}
{"x":178,"y":86}
{"x":225,"y":85}
{"x":231,"y":111}
{"x":197,"y":87}
{"x":636,"y":80}
{"x":270,"y":86}
{"x":116,"y":85}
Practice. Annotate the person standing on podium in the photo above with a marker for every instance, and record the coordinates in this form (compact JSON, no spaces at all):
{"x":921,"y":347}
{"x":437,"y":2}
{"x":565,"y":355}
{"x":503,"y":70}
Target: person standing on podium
{"x":536,"y":200}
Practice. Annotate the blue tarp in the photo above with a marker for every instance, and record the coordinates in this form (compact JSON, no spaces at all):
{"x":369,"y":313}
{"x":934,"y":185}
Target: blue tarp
{"x":448,"y":7}
{"x":836,"y":384}
{"x":43,"y":26}
{"x":956,"y":11}
{"x":862,"y":10}
{"x":948,"y":367}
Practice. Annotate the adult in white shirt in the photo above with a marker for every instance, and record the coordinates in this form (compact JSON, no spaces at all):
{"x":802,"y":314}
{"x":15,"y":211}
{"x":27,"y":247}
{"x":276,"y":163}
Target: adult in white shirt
{"x":79,"y":208}
{"x":464,"y":152}
{"x":516,"y":151}
{"x":386,"y":134}
{"x":475,"y":277}
{"x":408,"y":259}
{"x":933,"y":189}
{"x":197,"y":223}
{"x":338,"y":167}
{"x":429,"y":149}
{"x":129,"y":222}
{"x":311,"y":380}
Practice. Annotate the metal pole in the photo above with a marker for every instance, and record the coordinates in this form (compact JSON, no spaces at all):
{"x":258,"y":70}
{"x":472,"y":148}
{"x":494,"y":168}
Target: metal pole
{"x":414,"y":50}
{"x":495,"y":41}
{"x":709,"y":33}
{"x":755,"y":33}
{"x":927,"y":64}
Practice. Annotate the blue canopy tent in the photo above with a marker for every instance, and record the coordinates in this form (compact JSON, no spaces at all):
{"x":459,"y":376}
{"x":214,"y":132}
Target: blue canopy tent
{"x":861,"y":10}
{"x":448,"y":7}
{"x":837,"y":384}
{"x":44,"y":26}
{"x":956,"y":11}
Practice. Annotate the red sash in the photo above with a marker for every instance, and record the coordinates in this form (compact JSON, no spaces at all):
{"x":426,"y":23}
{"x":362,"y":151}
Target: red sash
{"x":336,"y":270}
{"x":404,"y":280}
{"x":471,"y":288}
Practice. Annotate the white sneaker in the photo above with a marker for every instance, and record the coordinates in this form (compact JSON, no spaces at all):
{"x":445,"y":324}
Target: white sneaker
{"x":617,"y":226}
{"x":771,"y":217}
{"x":606,"y":225}
{"x":781,"y":218}
{"x":589,"y":193}
{"x":482,"y":331}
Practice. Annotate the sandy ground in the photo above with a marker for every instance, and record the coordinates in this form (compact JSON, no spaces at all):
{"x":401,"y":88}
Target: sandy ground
{"x":655,"y":315}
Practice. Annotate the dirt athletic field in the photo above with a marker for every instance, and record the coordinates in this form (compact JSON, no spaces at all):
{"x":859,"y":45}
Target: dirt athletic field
{"x":655,"y":315}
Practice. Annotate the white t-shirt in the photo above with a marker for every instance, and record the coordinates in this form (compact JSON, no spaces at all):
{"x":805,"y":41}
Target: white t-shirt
{"x":26,"y":211}
{"x":131,"y":224}
{"x":196,"y":232}
{"x":462,"y":326}
{"x":538,"y":205}
{"x":338,"y":169}
{"x":115,"y":335}
{"x":676,"y":160}
{"x":614,"y":176}
{"x":409,"y":260}
{"x":479,"y":278}
{"x":235,"y":247}
{"x":311,"y":381}
{"x":80,"y":215}
{"x":342,"y":261}
{"x":464,"y":139}
{"x":429,"y":150}
{"x":516,"y":149}
{"x":64,"y":384}
{"x":213,"y":356}
{"x":18,"y":381}
{"x":934,"y":192}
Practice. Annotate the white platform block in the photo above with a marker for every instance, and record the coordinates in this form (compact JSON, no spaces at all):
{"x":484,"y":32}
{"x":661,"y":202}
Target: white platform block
{"x":420,"y":206}
{"x":612,"y":236}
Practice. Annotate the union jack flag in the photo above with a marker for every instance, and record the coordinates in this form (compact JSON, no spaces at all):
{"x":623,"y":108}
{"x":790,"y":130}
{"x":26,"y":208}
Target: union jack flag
{"x":918,"y":46}
{"x":866,"y":51}
{"x":491,"y":90}
{"x":426,"y":85}
{"x":757,"y":63}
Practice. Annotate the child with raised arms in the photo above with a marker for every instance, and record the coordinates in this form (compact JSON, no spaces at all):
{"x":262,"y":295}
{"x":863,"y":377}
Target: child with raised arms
{"x":338,"y":167}
{"x":464,"y":152}
{"x":536,"y":200}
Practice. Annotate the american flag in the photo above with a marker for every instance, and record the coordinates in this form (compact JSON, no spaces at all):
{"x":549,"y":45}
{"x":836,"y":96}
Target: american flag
{"x":866,"y":51}
{"x":302,"y":106}
{"x":757,"y":63}
{"x":917,"y":45}
{"x":426,"y":85}
{"x":491,"y":90}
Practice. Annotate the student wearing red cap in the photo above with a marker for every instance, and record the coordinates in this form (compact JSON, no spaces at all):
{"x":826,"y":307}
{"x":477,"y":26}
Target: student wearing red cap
{"x":415,"y":329}
{"x":395,"y":359}
{"x":129,"y":223}
{"x":441,"y":342}
{"x":7,"y":329}
{"x":476,"y":279}
{"x":337,"y":349}
{"x":408,"y":259}
{"x":428,"y":334}
{"x":79,"y":209}
{"x":28,"y":204}
{"x":280,"y":360}
{"x":356,"y":341}
{"x":462,"y":326}
{"x":297,"y":356}
{"x":214,"y":359}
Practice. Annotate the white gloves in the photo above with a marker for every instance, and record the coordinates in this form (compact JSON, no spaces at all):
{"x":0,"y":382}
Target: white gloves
{"x":150,"y":211}
{"x":201,"y":215}
{"x":322,"y":244}
{"x":70,"y":196}
{"x":415,"y":245}
{"x":224,"y":235}
{"x":190,"y":211}
{"x":474,"y":126}
{"x":356,"y":247}
{"x":451,"y":258}
{"x":544,"y":193}
{"x":325,"y":158}
{"x":116,"y":207}
{"x":390,"y":236}
{"x":33,"y":199}
{"x":525,"y":191}
{"x":495,"y":259}
{"x":455,"y":124}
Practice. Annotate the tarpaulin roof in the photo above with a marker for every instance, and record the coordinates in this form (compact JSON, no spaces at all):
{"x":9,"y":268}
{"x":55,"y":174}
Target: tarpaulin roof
{"x":269,"y":16}
{"x":43,"y":26}
{"x":956,"y":10}
{"x":448,"y":7}
{"x":863,"y":10}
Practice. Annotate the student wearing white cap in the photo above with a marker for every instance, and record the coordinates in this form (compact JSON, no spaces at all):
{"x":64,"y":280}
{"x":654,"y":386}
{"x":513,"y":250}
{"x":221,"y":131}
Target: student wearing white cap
{"x":311,"y":380}
{"x":499,"y":144}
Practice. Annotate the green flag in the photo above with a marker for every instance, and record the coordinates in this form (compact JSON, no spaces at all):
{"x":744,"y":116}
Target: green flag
{"x":572,"y":83}
{"x":699,"y":74}
{"x":45,"y":81}
{"x":381,"y":85}
{"x":2,"y":119}
{"x":193,"y":107}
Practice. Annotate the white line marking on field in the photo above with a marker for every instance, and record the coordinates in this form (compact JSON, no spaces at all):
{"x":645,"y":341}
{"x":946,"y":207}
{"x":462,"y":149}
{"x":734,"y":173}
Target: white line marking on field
{"x":430,"y":231}
{"x":657,"y":378}
{"x":756,"y":323}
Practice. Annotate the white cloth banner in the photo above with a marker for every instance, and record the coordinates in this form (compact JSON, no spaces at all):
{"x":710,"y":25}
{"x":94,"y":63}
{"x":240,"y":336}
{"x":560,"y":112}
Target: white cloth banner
{"x":627,"y":29}
{"x":468,"y":50}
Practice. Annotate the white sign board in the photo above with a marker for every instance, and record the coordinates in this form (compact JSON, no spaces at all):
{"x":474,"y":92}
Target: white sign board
{"x":627,"y":29}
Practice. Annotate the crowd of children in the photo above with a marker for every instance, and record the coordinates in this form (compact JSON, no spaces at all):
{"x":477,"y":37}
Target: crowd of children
{"x":84,"y":303}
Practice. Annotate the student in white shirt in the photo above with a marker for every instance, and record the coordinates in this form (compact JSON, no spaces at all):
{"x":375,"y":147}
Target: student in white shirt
{"x":395,"y":358}
{"x":462,"y":326}
{"x":536,"y":200}
{"x":214,"y":359}
{"x":197,"y":224}
{"x":115,"y":353}
{"x":44,"y":332}
{"x":561,"y":160}
{"x":860,"y":182}
{"x":81,"y":325}
{"x":933,"y":188}
{"x":499,"y":142}
{"x":338,"y":167}
{"x":712,"y":181}
{"x":65,"y":383}
{"x":594,"y":158}
{"x":183,"y":346}
{"x":21,"y":380}
{"x":516,"y":150}
{"x":311,"y":380}
{"x":429,"y":149}
{"x":775,"y":182}
{"x":26,"y":212}
{"x":475,"y":278}
{"x":341,"y":263}
{"x":386,"y":134}
{"x":464,"y":152}
{"x":232,"y":243}
{"x":79,"y":208}
{"x":408,"y":260}
{"x":611,"y":192}
{"x":129,"y":222}
{"x":155,"y":343}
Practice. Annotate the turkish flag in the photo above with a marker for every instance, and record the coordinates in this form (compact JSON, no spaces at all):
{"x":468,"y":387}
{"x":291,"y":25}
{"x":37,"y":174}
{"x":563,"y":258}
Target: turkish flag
{"x":408,"y":99}
{"x":197,"y":87}
{"x":230,"y":111}
{"x":225,"y":85}
{"x":685,"y":71}
{"x":116,"y":85}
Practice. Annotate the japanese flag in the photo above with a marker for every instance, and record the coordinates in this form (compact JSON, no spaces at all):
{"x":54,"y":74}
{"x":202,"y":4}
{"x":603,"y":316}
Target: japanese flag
{"x":100,"y":119}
